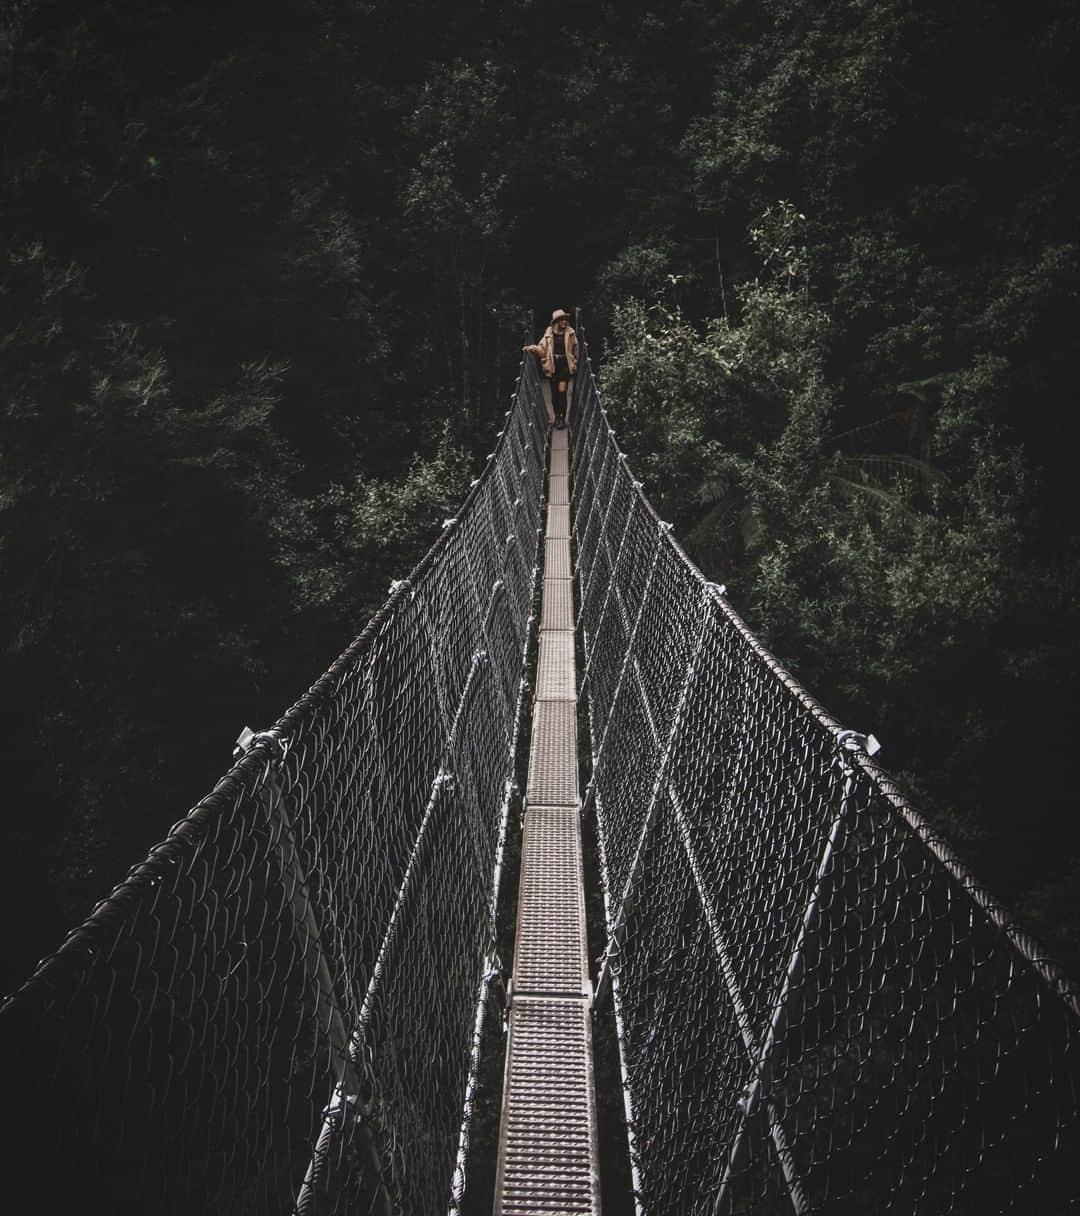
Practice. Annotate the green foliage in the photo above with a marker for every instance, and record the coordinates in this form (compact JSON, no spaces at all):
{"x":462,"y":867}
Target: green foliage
{"x":638,"y":271}
{"x":858,"y":415}
{"x":898,"y":584}
{"x":123,"y":515}
{"x":342,"y":548}
{"x":212,"y":311}
{"x":264,"y":283}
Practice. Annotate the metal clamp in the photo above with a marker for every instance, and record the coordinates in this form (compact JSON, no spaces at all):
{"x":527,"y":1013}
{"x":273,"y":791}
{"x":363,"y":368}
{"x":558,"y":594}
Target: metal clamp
{"x":248,"y":739}
{"x":853,"y":741}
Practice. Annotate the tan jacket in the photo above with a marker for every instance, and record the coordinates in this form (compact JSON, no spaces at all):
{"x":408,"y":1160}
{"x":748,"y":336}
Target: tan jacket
{"x":545,"y":348}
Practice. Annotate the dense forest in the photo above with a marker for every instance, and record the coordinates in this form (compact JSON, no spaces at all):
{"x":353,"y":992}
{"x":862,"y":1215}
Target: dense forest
{"x":265,"y":279}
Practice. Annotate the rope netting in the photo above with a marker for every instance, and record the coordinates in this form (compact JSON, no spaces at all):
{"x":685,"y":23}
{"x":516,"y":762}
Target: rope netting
{"x":818,"y":1008}
{"x":281,"y":1007}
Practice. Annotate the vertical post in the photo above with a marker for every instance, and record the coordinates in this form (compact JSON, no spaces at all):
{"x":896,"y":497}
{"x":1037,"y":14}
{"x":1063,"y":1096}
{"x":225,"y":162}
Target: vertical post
{"x":630,"y":641}
{"x":762,"y":1066}
{"x":348,"y":1094}
{"x":618,"y":925}
{"x":796,"y":1193}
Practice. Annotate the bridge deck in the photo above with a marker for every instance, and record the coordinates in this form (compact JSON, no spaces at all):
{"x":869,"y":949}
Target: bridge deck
{"x":547,"y":1144}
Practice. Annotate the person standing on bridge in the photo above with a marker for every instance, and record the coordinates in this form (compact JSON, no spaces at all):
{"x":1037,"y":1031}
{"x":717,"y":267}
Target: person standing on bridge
{"x":559,"y":352}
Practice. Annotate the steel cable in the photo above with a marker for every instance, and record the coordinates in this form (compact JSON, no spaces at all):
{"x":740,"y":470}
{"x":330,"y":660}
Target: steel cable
{"x":819,"y":1008}
{"x":277,"y":1010}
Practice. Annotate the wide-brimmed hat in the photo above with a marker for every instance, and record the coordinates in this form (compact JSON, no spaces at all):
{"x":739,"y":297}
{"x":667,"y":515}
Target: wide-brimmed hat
{"x":558,"y":314}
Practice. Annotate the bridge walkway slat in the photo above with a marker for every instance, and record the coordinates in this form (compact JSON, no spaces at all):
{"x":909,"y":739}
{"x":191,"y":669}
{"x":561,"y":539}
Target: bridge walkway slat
{"x":547,"y":1143}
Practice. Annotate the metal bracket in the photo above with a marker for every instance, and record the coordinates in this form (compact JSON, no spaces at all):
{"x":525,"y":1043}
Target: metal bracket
{"x":853,"y":741}
{"x":608,"y":960}
{"x":508,"y":1004}
{"x":588,"y":803}
{"x":248,"y":739}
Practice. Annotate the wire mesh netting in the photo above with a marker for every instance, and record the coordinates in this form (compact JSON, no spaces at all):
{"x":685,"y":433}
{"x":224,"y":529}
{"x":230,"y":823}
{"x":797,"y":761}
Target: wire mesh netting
{"x":279,"y":1008}
{"x":818,"y":1008}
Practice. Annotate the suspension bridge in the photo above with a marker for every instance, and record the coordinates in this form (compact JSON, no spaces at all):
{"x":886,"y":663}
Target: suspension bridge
{"x":818,"y":1009}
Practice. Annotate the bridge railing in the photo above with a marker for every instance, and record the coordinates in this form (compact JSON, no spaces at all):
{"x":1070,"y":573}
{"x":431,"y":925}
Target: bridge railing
{"x":819,"y":1009}
{"x":280,"y":1007}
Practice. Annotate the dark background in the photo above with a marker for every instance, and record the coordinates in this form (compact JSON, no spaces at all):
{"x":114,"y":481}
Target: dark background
{"x":265,"y":278}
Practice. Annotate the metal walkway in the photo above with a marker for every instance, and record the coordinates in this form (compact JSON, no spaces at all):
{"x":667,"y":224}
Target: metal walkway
{"x":547,"y":1144}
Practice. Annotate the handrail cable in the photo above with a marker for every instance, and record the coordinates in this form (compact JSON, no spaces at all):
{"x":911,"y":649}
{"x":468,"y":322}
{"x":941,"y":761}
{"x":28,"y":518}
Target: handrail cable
{"x":280,"y":1009}
{"x":818,"y":1007}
